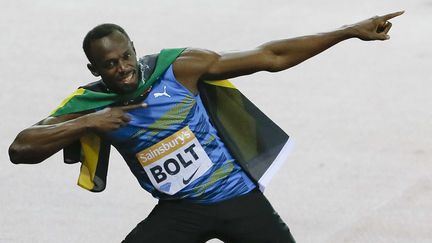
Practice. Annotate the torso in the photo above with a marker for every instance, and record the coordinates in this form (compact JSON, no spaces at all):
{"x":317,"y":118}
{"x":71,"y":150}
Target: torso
{"x":175,"y":152}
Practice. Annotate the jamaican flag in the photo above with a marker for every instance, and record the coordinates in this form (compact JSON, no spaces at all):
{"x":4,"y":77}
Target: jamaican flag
{"x":91,"y":150}
{"x":257,"y":143}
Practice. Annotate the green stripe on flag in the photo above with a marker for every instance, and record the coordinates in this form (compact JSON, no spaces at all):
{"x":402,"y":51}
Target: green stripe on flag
{"x":89,"y":100}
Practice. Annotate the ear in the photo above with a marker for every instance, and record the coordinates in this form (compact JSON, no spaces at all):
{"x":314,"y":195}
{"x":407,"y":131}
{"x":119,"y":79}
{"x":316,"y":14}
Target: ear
{"x":92,"y":70}
{"x":133,"y":47}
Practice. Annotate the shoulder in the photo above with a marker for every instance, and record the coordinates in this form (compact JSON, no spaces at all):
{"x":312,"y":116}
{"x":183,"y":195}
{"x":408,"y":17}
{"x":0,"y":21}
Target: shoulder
{"x":197,"y":53}
{"x":196,"y":57}
{"x":193,"y":63}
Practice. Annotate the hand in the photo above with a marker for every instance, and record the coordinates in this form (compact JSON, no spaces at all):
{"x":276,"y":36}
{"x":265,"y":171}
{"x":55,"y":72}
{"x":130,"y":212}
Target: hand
{"x":375,"y":28}
{"x":110,"y":118}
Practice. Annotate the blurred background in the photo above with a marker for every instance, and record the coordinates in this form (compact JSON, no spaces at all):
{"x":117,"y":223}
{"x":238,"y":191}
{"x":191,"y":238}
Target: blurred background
{"x":360,"y":114}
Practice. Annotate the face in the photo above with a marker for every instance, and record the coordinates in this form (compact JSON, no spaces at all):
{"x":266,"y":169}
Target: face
{"x":114,"y":59}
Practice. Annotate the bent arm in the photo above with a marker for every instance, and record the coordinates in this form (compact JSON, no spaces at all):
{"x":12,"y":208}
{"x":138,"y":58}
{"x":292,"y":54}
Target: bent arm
{"x":37,"y":143}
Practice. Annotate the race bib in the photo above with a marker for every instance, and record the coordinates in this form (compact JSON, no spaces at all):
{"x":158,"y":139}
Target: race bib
{"x":175,"y":162}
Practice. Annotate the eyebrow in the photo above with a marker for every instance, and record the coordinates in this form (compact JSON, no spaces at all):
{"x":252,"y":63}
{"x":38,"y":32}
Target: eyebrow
{"x":113,"y":59}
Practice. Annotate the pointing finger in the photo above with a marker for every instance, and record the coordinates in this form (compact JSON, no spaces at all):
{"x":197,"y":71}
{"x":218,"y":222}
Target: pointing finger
{"x":131,"y":107}
{"x":392,"y":15}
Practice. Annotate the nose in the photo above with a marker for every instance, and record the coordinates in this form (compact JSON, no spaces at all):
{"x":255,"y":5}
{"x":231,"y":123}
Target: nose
{"x":121,"y":66}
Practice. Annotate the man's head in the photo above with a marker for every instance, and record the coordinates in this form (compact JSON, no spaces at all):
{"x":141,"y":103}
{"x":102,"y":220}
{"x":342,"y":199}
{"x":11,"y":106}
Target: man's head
{"x":112,"y":56}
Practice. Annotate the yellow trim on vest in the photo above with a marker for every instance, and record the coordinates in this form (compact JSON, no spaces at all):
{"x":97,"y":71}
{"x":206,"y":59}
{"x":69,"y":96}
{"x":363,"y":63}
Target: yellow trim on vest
{"x":90,"y":146}
{"x":77,"y":92}
{"x":222,"y":83}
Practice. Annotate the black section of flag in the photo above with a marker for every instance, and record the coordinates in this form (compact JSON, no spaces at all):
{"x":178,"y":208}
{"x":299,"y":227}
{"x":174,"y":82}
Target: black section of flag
{"x":252,"y":138}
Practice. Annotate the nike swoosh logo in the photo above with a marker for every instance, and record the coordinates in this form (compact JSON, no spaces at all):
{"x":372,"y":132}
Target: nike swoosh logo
{"x":190,"y":178}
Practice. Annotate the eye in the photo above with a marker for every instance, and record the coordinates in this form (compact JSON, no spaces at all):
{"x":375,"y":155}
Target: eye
{"x":109,"y":65}
{"x":127,"y":55}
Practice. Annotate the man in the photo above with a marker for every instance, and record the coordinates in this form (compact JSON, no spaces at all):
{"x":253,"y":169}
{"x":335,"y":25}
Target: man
{"x":218,"y":199}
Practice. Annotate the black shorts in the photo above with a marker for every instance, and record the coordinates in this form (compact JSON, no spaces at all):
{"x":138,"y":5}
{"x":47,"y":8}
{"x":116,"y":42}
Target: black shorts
{"x":249,"y":218}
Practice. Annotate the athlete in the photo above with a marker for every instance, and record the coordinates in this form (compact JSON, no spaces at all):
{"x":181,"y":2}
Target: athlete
{"x":207,"y":194}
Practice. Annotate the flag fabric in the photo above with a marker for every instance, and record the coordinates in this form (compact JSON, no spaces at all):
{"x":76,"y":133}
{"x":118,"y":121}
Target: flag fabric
{"x":92,"y":151}
{"x":85,"y":98}
{"x":257,"y":143}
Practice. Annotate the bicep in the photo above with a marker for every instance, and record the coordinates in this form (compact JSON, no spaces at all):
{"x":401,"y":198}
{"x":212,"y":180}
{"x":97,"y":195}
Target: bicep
{"x":59,"y":119}
{"x":234,"y":64}
{"x":195,"y":64}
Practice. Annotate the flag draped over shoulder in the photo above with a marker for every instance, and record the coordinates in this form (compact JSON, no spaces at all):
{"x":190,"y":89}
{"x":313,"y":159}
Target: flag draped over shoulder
{"x":258,"y":144}
{"x":91,"y":150}
{"x":84,"y":99}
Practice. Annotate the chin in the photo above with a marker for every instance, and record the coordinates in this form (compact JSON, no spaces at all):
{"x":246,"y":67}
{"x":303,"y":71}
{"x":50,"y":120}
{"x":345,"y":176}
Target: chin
{"x":127,"y":88}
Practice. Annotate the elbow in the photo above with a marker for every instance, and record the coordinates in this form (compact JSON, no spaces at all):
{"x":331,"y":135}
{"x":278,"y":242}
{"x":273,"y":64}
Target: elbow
{"x":277,"y":66}
{"x":274,"y":61}
{"x":18,"y":154}
{"x":280,"y":63}
{"x":14,"y":154}
{"x":24,"y":150}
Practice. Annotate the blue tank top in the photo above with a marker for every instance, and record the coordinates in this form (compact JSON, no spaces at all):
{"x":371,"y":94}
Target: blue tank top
{"x":175,"y":152}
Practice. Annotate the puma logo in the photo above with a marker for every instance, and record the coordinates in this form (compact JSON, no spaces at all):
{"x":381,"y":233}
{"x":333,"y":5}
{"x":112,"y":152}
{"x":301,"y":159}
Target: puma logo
{"x":162,"y":94}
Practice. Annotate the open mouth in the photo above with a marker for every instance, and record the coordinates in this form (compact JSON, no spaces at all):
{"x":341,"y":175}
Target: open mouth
{"x":128,"y":79}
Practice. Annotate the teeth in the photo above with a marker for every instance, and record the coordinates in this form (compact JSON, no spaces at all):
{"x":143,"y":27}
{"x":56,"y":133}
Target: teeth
{"x":128,"y":78}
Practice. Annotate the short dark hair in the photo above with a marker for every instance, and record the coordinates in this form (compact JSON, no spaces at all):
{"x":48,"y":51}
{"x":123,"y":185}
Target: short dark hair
{"x":98,"y":32}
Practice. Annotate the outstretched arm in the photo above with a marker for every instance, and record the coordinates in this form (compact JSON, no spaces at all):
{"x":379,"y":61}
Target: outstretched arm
{"x":37,"y":143}
{"x":273,"y":56}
